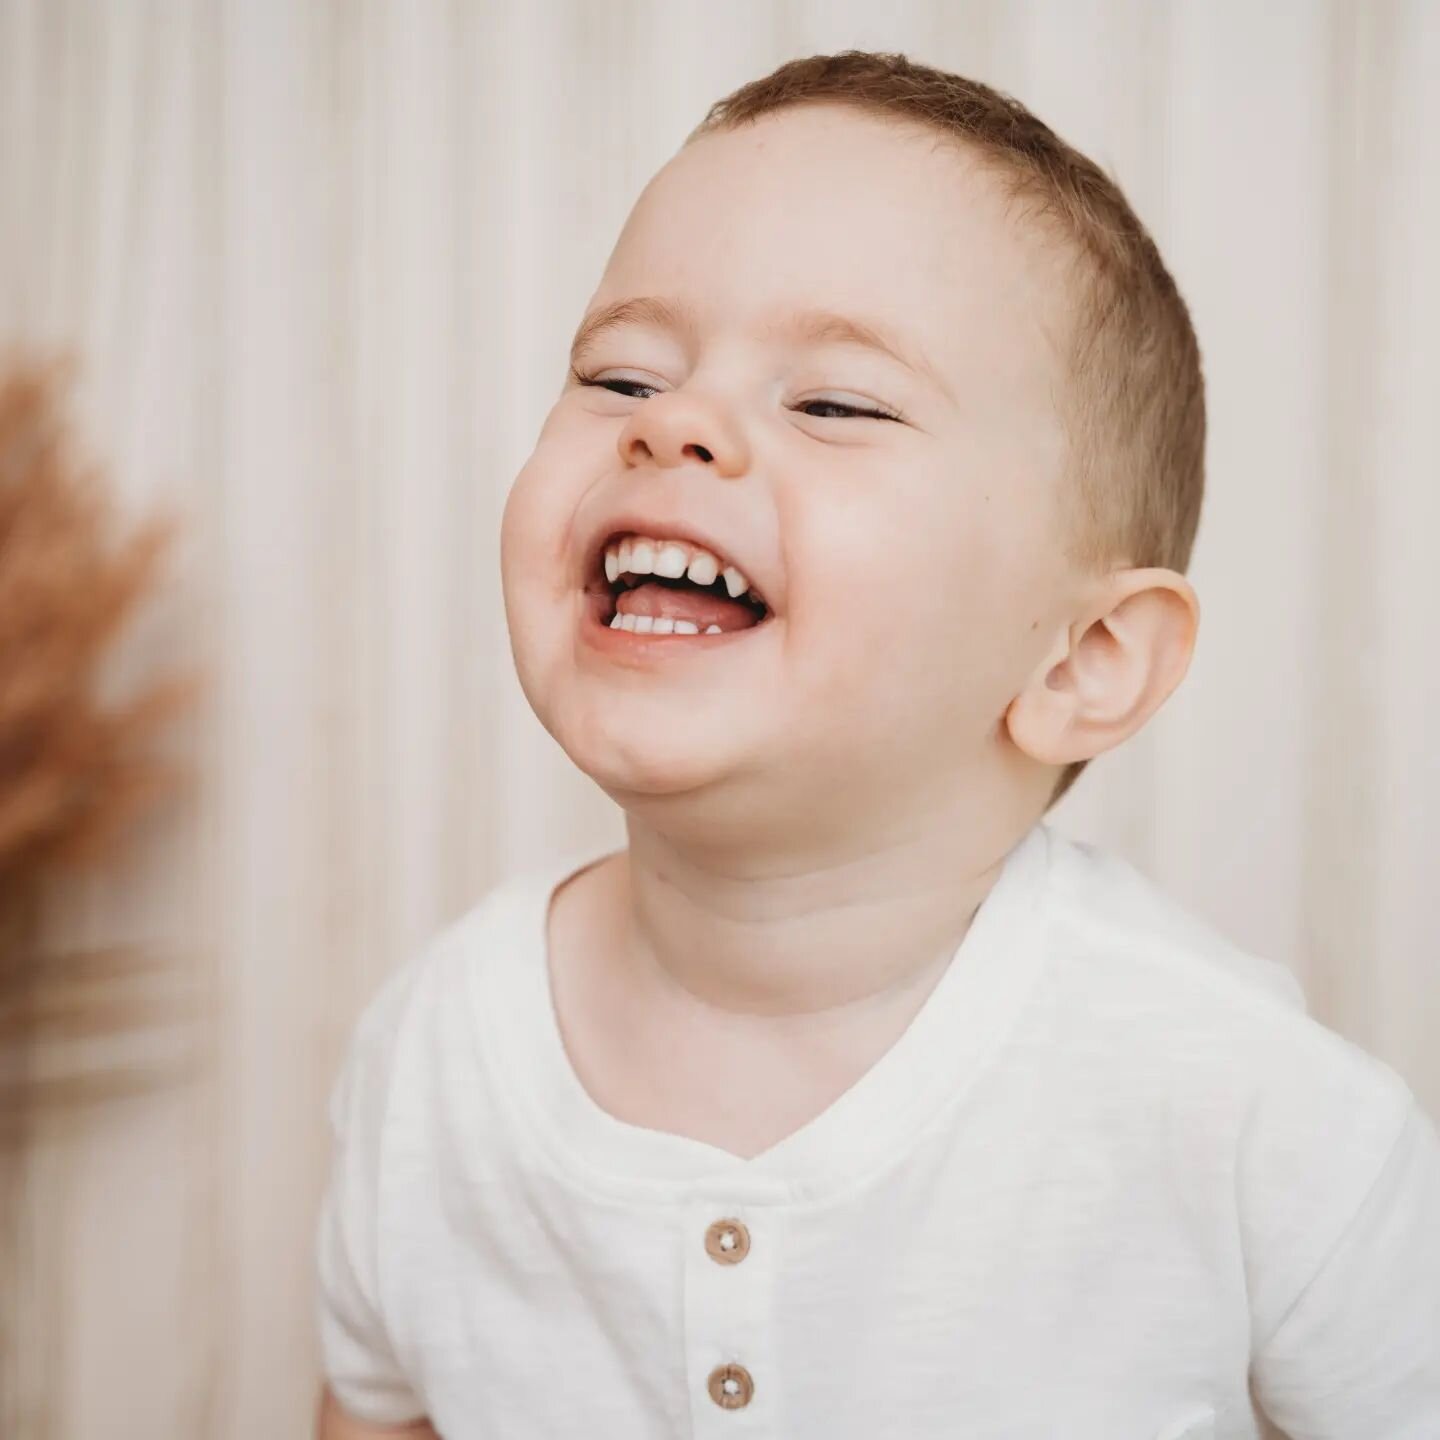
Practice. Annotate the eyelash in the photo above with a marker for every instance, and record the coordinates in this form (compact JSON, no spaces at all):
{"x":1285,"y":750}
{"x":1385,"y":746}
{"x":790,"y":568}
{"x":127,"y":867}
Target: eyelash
{"x":856,"y":411}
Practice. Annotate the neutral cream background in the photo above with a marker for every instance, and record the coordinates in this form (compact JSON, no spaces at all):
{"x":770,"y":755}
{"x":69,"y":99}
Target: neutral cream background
{"x":322,"y":262}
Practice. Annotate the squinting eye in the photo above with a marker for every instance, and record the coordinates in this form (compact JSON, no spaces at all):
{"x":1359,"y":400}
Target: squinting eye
{"x":840,"y":410}
{"x":611,"y":384}
{"x":848,"y":411}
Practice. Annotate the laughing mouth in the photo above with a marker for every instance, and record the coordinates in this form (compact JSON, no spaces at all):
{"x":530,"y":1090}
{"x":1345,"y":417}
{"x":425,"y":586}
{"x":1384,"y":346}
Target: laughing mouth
{"x":662,"y":586}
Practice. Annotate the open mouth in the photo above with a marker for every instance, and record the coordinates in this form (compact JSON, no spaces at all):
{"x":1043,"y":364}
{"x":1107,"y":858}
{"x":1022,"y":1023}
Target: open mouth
{"x":644,"y":585}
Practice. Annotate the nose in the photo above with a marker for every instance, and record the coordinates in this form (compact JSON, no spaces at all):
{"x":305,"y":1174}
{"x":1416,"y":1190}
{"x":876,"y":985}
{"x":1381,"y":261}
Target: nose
{"x":676,"y":427}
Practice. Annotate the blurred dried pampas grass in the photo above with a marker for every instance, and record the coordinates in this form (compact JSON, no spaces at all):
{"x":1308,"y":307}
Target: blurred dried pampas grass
{"x":77,"y":767}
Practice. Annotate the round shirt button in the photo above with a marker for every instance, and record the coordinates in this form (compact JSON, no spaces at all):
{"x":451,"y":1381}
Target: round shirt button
{"x":731,"y":1386}
{"x":727,"y":1242}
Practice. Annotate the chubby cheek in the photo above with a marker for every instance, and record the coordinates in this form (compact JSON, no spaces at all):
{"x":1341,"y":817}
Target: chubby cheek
{"x":535,"y":530}
{"x":907,"y":619}
{"x":535,"y":572}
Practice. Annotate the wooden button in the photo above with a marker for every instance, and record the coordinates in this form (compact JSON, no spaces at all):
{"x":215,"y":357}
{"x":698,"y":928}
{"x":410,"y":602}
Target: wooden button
{"x":727,"y":1242}
{"x":731,"y":1386}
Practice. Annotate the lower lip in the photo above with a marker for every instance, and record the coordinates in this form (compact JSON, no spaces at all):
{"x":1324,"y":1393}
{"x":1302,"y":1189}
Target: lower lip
{"x":595,"y":630}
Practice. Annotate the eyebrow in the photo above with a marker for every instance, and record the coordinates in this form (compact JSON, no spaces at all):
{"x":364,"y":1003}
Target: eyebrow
{"x":817,"y":327}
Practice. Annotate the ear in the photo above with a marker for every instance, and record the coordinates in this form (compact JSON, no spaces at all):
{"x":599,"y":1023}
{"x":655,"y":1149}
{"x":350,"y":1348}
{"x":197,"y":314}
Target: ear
{"x":1110,"y":671}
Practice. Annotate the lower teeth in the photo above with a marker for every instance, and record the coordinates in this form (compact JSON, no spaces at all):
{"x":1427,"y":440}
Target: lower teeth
{"x":650,"y":625}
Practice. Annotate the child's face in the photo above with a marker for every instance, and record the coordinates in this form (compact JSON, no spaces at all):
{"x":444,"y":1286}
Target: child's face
{"x":913,"y":568}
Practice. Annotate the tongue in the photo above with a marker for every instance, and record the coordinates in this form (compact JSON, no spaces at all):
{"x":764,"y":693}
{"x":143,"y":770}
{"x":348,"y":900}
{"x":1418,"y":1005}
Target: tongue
{"x":701,"y":607}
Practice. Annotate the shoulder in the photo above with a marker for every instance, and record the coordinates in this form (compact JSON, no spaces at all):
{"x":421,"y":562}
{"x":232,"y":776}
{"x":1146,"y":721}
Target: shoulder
{"x":1162,"y":978}
{"x":1162,"y":983}
{"x":1106,"y":912}
{"x":1296,"y":1119}
{"x":427,"y":1006}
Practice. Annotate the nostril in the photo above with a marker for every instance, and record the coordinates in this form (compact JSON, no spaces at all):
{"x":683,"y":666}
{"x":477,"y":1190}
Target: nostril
{"x":701,"y":451}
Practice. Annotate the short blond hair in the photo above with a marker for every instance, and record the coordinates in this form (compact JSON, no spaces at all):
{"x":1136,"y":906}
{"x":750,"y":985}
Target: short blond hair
{"x":1134,"y":412}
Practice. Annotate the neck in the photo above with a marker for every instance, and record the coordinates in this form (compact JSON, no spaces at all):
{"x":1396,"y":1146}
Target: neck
{"x":802,"y":936}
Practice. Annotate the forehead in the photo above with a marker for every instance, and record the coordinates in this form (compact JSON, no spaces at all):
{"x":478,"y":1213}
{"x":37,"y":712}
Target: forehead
{"x":825,"y":207}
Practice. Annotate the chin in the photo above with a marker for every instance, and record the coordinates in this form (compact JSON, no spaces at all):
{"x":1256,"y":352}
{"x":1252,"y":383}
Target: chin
{"x":639,"y":749}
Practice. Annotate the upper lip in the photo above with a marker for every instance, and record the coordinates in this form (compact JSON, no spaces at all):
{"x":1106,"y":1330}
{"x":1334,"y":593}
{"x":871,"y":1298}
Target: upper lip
{"x":612,"y":527}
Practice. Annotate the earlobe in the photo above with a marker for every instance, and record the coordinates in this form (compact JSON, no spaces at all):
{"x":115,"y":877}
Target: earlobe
{"x":1041,"y":718}
{"x":1109,"y":671}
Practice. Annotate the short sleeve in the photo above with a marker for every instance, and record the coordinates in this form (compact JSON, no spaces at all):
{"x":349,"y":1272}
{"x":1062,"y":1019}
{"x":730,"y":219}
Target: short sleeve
{"x":1356,"y":1354}
{"x":359,"y":1361}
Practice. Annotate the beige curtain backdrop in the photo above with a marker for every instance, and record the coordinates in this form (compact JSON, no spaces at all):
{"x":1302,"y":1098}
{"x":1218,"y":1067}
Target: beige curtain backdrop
{"x":321,"y":262}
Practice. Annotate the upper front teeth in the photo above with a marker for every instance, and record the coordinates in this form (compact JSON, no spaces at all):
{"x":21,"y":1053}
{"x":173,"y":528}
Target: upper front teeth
{"x":672,"y":559}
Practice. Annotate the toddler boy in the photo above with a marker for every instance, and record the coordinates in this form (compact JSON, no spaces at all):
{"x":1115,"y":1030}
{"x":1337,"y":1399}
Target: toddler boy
{"x":850,"y":1099}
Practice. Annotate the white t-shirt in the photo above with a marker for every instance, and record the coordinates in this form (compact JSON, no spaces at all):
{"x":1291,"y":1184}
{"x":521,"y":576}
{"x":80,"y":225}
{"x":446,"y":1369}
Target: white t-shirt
{"x":1110,"y":1176}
